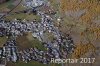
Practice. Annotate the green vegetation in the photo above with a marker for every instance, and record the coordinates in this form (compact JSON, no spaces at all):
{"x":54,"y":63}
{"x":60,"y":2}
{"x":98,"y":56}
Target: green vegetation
{"x":29,"y":64}
{"x":22,"y":16}
{"x":4,"y":6}
{"x":11,"y":6}
{"x":27,"y":41}
{"x":32,"y":63}
{"x":35,"y":42}
{"x":2,"y":41}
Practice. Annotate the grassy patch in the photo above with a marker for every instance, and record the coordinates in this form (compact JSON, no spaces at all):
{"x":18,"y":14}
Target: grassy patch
{"x":3,"y":7}
{"x":22,"y":16}
{"x":11,"y":6}
{"x":32,"y":63}
{"x":2,"y":41}
{"x":35,"y":42}
{"x":27,"y":41}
